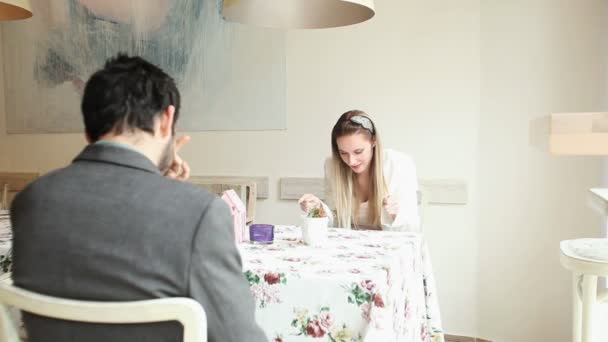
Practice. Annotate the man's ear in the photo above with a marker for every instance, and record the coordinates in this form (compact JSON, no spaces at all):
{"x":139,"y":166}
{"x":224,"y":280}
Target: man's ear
{"x":166,"y":121}
{"x":88,"y":137}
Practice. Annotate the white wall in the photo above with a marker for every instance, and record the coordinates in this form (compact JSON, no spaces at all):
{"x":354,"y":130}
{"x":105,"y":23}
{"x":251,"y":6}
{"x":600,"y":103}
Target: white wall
{"x":537,"y":57}
{"x":416,"y":68}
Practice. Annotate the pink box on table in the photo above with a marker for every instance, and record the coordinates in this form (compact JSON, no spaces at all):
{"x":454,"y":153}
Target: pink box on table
{"x":239,"y":214}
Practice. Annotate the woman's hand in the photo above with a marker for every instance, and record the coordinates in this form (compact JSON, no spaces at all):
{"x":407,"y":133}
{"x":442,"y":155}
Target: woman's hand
{"x":391,"y":206}
{"x":309,"y":201}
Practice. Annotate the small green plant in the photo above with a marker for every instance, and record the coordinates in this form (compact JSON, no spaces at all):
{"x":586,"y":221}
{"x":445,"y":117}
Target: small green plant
{"x":317,"y":212}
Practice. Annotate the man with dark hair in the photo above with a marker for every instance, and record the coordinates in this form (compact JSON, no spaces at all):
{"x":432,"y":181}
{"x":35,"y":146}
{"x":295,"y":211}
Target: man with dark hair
{"x":110,"y":227}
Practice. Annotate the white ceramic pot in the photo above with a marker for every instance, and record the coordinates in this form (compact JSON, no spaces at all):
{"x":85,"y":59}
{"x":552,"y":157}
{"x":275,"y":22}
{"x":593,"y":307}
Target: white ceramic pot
{"x":314,"y":230}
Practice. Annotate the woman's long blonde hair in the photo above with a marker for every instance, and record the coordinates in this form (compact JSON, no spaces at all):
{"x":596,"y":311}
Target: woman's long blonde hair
{"x":342,"y":192}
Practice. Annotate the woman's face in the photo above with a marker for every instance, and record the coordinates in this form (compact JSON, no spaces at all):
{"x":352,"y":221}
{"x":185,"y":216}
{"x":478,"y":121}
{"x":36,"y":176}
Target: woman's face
{"x":356,"y":151}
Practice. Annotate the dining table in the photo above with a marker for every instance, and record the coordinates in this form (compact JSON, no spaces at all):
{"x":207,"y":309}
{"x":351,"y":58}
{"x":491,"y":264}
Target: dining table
{"x":358,"y":286}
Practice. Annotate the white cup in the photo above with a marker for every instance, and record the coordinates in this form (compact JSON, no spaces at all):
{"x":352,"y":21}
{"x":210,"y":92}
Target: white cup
{"x":314,"y":230}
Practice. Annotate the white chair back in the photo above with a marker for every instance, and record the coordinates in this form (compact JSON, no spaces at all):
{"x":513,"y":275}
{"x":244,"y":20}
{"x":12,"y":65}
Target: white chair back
{"x":246,"y":190}
{"x":184,"y":310}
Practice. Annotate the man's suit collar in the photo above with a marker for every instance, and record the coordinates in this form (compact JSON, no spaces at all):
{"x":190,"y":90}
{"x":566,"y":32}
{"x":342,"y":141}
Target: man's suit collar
{"x":116,"y":155}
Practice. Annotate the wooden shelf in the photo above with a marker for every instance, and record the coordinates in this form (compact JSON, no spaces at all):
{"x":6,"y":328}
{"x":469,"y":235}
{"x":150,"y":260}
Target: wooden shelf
{"x":579,"y":134}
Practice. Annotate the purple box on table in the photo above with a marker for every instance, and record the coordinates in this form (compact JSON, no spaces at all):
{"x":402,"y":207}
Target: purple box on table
{"x":261,"y":233}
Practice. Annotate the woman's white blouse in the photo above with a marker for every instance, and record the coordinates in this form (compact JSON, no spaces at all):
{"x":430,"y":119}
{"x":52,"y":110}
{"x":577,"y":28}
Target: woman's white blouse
{"x":402,"y":184}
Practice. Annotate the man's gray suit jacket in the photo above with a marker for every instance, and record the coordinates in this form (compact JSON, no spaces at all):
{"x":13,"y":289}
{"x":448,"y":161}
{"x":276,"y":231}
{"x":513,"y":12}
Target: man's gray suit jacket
{"x":110,"y":227}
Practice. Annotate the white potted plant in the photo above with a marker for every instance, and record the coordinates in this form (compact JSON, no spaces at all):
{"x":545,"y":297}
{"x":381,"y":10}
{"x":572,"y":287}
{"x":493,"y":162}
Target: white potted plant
{"x":314,"y":227}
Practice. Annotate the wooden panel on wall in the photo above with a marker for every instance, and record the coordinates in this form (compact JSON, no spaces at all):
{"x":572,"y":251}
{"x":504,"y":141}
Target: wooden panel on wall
{"x":261,"y":182}
{"x":579,"y":134}
{"x":432,"y":191}
{"x":246,"y":190}
{"x":13,"y":182}
{"x":444,"y":191}
{"x":294,"y":188}
{"x":456,"y":338}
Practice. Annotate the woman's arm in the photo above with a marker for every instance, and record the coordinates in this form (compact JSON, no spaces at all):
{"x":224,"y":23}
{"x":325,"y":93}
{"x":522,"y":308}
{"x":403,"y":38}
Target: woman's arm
{"x":402,"y":183}
{"x":310,"y":201}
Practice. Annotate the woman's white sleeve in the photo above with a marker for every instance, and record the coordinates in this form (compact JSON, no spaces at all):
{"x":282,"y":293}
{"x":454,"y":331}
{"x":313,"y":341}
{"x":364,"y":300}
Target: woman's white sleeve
{"x":403,"y":186}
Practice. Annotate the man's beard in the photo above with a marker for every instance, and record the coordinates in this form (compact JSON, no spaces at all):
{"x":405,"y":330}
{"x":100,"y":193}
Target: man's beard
{"x":166,"y":157}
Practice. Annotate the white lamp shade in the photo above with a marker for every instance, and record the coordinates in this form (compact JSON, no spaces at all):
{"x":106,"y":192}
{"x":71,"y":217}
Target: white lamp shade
{"x":298,"y":14}
{"x":15,"y":9}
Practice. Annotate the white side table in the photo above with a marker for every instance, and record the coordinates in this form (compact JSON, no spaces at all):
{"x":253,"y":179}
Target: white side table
{"x":600,"y":201}
{"x":588,"y":260}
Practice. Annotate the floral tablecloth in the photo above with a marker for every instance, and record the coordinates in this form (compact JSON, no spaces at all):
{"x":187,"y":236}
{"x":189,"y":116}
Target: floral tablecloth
{"x":367,"y":286}
{"x":371,"y":286}
{"x":5,"y":241}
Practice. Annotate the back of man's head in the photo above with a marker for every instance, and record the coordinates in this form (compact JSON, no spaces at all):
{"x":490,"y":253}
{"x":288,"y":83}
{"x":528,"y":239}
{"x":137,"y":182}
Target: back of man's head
{"x":126,"y":95}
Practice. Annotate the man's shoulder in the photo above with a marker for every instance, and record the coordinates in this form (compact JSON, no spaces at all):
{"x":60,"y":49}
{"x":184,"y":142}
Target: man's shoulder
{"x":71,"y":177}
{"x":43,"y":181}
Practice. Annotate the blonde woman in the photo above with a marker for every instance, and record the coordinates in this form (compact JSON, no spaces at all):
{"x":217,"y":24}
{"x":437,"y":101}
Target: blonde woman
{"x":367,"y":186}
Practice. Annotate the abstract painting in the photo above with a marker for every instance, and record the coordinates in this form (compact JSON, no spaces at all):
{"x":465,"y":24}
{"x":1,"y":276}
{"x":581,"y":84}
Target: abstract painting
{"x":231,"y":76}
